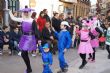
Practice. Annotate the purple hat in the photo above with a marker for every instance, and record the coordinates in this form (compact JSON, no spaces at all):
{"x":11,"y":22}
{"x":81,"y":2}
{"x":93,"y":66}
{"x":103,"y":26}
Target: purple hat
{"x":26,"y":10}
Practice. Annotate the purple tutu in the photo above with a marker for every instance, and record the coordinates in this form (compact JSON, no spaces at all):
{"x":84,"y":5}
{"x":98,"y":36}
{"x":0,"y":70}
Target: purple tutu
{"x":85,"y":48}
{"x":27,"y":43}
{"x":95,"y":43}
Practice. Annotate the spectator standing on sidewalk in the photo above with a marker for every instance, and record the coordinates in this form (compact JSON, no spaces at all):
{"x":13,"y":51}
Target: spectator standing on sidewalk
{"x":13,"y":24}
{"x":108,"y":34}
{"x":56,"y":22}
{"x":46,"y":16}
{"x":71,"y":22}
{"x":108,"y":41}
{"x":62,"y":17}
{"x":41,"y":21}
{"x":33,"y":16}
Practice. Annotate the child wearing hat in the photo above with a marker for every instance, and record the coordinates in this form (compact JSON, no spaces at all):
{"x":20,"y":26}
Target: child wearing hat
{"x":64,"y":43}
{"x":47,"y":59}
{"x":29,"y":35}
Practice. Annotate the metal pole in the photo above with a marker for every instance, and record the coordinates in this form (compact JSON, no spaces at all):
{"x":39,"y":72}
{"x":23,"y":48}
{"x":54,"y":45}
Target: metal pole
{"x":6,"y":14}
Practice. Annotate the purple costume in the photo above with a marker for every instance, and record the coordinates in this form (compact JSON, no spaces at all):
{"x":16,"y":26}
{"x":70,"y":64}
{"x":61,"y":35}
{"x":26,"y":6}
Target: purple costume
{"x":27,"y":42}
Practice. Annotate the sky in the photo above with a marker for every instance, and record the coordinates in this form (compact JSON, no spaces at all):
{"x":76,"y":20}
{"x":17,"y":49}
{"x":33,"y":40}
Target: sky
{"x":93,"y":2}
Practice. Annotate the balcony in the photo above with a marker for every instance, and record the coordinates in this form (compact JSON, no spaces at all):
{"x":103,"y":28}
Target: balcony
{"x":69,"y":1}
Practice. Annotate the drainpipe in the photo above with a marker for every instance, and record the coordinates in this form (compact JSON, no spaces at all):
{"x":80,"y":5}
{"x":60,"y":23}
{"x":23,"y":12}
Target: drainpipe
{"x":6,"y":14}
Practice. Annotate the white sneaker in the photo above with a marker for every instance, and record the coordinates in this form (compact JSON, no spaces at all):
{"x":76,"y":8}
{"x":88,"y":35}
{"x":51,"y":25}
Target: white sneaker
{"x":33,"y":55}
{"x":1,"y":53}
{"x":19,"y":54}
{"x":10,"y":53}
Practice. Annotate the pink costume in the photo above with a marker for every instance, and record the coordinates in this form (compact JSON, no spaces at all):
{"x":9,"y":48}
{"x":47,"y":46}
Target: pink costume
{"x":95,"y":42}
{"x":85,"y":45}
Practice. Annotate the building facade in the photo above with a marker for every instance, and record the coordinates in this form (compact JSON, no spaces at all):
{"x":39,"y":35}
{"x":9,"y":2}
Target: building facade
{"x":93,"y":9}
{"x":103,"y":6}
{"x":77,"y":7}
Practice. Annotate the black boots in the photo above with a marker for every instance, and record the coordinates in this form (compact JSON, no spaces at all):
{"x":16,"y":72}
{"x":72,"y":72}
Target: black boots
{"x":83,"y":64}
{"x":29,"y":71}
{"x":63,"y":70}
{"x":109,"y":56}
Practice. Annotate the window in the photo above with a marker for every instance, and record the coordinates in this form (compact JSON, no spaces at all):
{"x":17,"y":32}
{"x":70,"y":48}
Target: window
{"x":13,"y":5}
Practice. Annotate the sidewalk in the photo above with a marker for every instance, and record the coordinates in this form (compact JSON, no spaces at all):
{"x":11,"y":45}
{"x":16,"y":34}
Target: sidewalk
{"x":102,"y":64}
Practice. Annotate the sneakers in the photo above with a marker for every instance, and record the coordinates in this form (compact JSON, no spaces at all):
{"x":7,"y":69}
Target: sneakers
{"x":33,"y":55}
{"x":108,"y":56}
{"x":28,"y":71}
{"x":19,"y":54}
{"x":62,"y":71}
{"x":83,"y":65}
{"x":92,"y":61}
{"x":89,"y":59}
{"x":10,"y":53}
{"x":1,"y":53}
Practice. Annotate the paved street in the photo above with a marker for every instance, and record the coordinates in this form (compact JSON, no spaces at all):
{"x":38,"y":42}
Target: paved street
{"x":102,"y":64}
{"x":15,"y":64}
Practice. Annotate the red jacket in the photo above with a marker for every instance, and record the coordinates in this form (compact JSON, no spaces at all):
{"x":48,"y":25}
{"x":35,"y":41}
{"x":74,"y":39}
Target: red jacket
{"x":41,"y":23}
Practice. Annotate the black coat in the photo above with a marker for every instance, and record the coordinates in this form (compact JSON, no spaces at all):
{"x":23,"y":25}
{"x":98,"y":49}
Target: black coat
{"x":15,"y":36}
{"x":1,"y":36}
{"x":47,"y":18}
{"x":56,"y":24}
{"x":46,"y":34}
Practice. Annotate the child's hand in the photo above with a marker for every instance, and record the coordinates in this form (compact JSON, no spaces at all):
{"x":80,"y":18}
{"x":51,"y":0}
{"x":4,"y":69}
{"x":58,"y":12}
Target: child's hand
{"x":6,"y":40}
{"x":65,"y":50}
{"x":39,"y":42}
{"x":51,"y":37}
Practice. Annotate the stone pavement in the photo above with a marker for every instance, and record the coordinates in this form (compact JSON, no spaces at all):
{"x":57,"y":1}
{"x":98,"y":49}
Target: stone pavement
{"x":15,"y":64}
{"x":102,"y":64}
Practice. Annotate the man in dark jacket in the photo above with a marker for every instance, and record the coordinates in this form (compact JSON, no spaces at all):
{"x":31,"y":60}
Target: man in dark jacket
{"x":71,"y":22}
{"x":46,"y":16}
{"x":56,"y":22}
{"x":48,"y":36}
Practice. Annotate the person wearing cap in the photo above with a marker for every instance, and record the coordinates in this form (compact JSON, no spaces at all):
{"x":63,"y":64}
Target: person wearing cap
{"x":28,"y":38}
{"x":64,"y":43}
{"x":85,"y":45}
{"x":47,"y":59}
